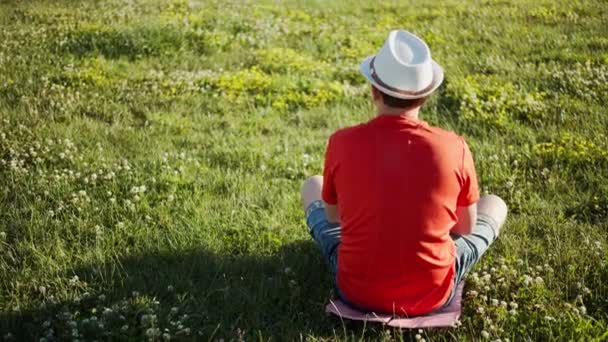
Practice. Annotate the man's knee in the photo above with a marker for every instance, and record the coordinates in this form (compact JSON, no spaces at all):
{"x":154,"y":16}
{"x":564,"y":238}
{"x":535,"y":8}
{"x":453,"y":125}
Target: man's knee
{"x":313,"y":182}
{"x":311,"y":189}
{"x":494,"y":207}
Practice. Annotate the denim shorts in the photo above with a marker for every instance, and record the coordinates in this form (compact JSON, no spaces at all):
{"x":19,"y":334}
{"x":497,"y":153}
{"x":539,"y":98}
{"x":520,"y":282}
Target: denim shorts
{"x":469,"y":248}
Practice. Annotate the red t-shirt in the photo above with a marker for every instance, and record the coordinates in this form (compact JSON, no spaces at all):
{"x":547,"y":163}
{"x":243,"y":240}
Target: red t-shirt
{"x":397,"y":182}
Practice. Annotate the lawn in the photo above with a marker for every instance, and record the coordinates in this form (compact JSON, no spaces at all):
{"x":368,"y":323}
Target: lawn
{"x":151,"y":154}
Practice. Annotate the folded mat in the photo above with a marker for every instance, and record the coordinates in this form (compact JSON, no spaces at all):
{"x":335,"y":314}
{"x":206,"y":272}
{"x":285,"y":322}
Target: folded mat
{"x":443,"y":318}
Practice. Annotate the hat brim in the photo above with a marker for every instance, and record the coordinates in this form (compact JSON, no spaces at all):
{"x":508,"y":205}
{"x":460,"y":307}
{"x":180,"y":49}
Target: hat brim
{"x":366,"y":71}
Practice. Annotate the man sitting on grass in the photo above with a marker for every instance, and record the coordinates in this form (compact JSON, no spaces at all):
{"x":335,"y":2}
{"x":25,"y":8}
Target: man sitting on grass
{"x":397,"y":214}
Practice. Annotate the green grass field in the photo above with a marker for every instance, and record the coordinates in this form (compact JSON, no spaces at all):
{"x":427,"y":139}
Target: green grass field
{"x":151,"y":154}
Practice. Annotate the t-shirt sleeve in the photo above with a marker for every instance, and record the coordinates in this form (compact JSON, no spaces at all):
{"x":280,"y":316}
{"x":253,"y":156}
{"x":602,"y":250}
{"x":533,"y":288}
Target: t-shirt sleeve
{"x":469,"y":191}
{"x":329,"y":189}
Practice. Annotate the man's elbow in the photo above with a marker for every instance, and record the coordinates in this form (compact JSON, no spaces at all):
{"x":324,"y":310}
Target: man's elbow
{"x":331,"y":211}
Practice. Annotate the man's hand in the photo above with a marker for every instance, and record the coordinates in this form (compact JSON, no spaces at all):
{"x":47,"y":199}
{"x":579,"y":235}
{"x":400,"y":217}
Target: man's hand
{"x":467,"y":216}
{"x":331,"y":211}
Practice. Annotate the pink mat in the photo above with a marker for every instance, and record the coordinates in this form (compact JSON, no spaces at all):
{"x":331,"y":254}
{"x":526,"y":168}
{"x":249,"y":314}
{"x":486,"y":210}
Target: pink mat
{"x":444,"y":318}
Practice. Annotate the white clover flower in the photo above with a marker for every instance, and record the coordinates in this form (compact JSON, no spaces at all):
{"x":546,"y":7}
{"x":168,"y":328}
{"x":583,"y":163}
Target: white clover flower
{"x":124,"y":328}
{"x":171,"y":198}
{"x":495,"y":302}
{"x":583,"y":309}
{"x":513,"y":305}
{"x":480,"y":310}
{"x":503,"y":304}
{"x":46,"y":324}
{"x":170,"y":288}
{"x":418,"y":337}
{"x":539,"y":281}
{"x":512,"y":312}
{"x":485,"y":334}
{"x":2,"y":235}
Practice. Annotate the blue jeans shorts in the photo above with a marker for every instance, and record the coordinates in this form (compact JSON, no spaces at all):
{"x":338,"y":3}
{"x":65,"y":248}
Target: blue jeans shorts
{"x":469,"y":248}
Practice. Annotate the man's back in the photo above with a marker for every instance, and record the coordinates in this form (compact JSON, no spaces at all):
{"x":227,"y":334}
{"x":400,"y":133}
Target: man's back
{"x":397,"y":183}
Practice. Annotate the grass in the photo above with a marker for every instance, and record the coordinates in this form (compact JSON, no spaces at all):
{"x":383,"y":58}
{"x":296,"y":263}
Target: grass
{"x":151,"y":154}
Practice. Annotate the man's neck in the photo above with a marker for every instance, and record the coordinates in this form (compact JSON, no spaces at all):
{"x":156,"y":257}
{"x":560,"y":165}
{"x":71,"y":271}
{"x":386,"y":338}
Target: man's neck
{"x":409,"y":113}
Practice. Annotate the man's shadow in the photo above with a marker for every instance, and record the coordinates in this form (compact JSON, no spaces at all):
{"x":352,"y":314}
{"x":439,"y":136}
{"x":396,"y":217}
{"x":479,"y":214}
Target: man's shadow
{"x":281,"y":295}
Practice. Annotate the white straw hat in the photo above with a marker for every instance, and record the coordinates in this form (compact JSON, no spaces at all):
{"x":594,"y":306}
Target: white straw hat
{"x":403,"y":67}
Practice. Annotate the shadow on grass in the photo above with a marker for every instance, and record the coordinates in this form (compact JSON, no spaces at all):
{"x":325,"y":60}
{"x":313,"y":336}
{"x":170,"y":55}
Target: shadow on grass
{"x":281,"y":296}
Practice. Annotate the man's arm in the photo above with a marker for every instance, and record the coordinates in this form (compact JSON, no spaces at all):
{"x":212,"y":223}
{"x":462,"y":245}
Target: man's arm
{"x":332,"y":213}
{"x":467,"y":216}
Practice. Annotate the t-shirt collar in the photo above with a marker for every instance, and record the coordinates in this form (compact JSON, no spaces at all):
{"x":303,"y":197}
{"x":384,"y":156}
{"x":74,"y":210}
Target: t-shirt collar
{"x":389,"y":119}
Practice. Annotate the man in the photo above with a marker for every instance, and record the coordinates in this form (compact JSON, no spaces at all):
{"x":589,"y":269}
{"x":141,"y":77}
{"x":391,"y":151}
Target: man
{"x":397,"y":214}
